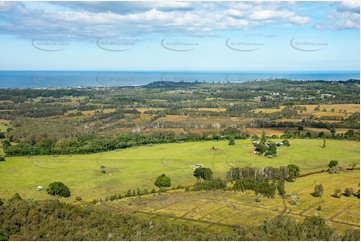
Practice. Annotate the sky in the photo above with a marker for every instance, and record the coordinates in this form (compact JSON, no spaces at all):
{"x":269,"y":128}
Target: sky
{"x":172,"y":35}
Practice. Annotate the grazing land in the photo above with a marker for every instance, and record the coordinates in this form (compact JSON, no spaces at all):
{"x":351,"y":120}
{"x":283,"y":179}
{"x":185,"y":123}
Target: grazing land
{"x":139,"y":166}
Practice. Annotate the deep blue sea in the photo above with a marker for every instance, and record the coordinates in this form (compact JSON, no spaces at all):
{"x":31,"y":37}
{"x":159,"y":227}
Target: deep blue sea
{"x":53,"y":79}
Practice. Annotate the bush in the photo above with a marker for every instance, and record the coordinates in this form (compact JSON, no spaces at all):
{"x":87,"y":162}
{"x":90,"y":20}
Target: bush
{"x":337,"y":193}
{"x":294,"y":199}
{"x":293,"y":202}
{"x":58,"y":189}
{"x":2,"y":158}
{"x":335,"y":170}
{"x":348,"y":192}
{"x":15,"y":197}
{"x":162,"y":181}
{"x":204,"y":173}
{"x":333,"y":163}
{"x":286,"y":143}
{"x":78,"y":198}
{"x":318,"y":190}
{"x":1,"y":202}
{"x":231,"y":141}
{"x":214,"y":184}
{"x":295,"y":169}
{"x":281,"y":187}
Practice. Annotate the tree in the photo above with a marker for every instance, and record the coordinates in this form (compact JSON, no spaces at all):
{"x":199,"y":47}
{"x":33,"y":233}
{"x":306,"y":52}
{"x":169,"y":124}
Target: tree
{"x":272,"y":149}
{"x":318,"y":190}
{"x":208,"y":174}
{"x":263,"y":137}
{"x":337,"y":193}
{"x":295,"y":169}
{"x":281,"y":187}
{"x":286,"y":142}
{"x":261,"y":148}
{"x":1,"y":202}
{"x":324,"y":143}
{"x":58,"y":189}
{"x":6,"y":144}
{"x":2,"y":158}
{"x":129,"y":193}
{"x":204,"y":173}
{"x":333,"y":163}
{"x":163,"y":181}
{"x":348,"y":192}
{"x":230,"y":131}
{"x":333,"y":131}
{"x":231,"y":141}
{"x":103,"y":169}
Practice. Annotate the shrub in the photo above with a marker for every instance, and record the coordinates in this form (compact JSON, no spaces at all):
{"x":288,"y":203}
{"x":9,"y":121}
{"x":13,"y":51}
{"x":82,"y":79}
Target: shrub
{"x":333,"y":163}
{"x":1,"y":202}
{"x":58,"y":189}
{"x":214,"y":184}
{"x":2,"y":158}
{"x":286,"y":143}
{"x":231,"y":141}
{"x":204,"y":173}
{"x":78,"y":198}
{"x":337,"y":193}
{"x":163,"y":181}
{"x":293,"y":172}
{"x":15,"y":197}
{"x":293,"y":202}
{"x":318,"y":190}
{"x":348,"y":192}
{"x":335,"y":170}
{"x":294,"y":199}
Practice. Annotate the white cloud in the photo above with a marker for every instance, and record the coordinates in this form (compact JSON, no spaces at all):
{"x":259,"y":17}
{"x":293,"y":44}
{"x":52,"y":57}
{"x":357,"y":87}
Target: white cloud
{"x":344,"y":20}
{"x":300,"y":20}
{"x":7,"y":6}
{"x":270,"y":14}
{"x":351,"y":4}
{"x":99,"y":19}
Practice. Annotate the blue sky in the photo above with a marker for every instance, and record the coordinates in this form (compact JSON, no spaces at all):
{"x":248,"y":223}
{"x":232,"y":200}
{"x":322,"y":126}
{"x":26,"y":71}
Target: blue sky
{"x":251,"y":36}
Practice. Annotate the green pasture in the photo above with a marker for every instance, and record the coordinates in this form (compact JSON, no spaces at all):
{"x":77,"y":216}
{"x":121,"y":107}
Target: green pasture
{"x":139,"y":166}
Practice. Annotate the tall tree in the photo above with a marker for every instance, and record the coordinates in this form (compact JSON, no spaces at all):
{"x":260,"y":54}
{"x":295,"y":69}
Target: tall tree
{"x":263,"y":137}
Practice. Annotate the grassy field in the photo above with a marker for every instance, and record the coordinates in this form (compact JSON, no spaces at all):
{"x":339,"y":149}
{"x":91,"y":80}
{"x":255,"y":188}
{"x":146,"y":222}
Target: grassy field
{"x":139,"y":166}
{"x":342,"y":110}
{"x":4,"y":124}
{"x":227,"y":208}
{"x":207,"y":109}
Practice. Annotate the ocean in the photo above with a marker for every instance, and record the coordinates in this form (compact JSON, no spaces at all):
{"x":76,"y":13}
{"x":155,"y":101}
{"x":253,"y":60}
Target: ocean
{"x":56,"y":79}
